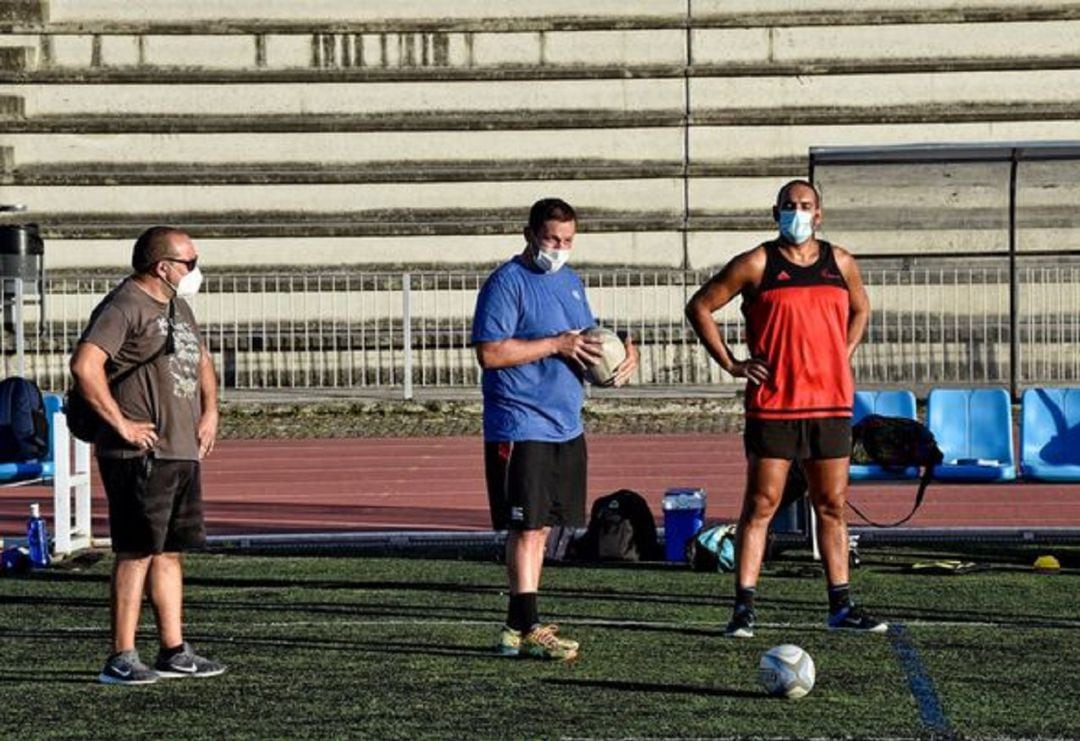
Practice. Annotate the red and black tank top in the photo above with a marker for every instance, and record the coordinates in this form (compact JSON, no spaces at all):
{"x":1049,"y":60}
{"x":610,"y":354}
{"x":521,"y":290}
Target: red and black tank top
{"x":797,"y":323}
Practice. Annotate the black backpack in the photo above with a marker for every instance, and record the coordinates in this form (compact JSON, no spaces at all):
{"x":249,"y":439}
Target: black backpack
{"x":24,"y":429}
{"x":895,"y":443}
{"x":621,"y":528}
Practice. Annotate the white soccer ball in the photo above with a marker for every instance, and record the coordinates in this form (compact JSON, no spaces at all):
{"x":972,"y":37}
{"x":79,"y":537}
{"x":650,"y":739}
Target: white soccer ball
{"x":786,"y":671}
{"x":614,"y":352}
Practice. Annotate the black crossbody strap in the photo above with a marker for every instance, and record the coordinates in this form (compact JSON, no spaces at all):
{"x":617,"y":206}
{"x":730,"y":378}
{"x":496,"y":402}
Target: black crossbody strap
{"x":928,"y":475}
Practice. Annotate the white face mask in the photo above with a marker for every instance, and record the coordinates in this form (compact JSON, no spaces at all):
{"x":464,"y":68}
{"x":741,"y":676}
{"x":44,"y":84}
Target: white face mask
{"x":796,"y":226}
{"x":550,"y":262}
{"x":189,"y":285}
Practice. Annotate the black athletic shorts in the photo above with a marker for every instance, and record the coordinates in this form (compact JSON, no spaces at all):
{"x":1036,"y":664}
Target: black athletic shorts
{"x":532,"y":485}
{"x":155,"y":506}
{"x":798,"y":439}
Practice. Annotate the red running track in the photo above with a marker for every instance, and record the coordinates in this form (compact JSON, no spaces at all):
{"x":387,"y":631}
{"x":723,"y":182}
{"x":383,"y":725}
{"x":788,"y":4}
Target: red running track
{"x":294,"y":486}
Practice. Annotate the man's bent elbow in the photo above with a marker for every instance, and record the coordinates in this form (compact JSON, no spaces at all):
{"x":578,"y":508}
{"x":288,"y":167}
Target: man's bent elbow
{"x":695,"y":312}
{"x":484,"y":357}
{"x":79,"y":364}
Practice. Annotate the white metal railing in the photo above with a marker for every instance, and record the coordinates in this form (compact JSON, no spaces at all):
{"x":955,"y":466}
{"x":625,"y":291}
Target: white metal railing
{"x":931,"y":325}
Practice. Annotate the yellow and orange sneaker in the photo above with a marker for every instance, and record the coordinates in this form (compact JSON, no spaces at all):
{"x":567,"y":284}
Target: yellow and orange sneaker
{"x":541,"y":642}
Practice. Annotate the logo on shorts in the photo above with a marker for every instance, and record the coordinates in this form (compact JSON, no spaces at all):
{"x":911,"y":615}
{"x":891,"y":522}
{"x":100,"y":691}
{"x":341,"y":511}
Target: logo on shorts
{"x":517,"y":514}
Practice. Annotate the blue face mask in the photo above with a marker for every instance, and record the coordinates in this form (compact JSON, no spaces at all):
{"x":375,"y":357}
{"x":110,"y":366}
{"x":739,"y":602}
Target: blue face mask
{"x":796,"y":226}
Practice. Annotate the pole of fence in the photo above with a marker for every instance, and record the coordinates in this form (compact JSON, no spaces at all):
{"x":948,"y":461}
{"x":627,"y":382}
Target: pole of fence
{"x":406,"y":331}
{"x":20,"y":333}
{"x":1014,"y":288}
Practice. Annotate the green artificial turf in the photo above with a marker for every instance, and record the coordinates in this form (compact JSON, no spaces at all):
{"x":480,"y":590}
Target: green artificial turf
{"x":366,"y":647}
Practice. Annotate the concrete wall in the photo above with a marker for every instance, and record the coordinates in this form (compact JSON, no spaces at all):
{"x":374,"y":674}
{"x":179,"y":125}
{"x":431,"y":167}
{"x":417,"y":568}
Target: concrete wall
{"x":399,"y":132}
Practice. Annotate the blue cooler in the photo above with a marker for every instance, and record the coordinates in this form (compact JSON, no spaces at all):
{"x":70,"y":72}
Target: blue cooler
{"x":684,"y":514}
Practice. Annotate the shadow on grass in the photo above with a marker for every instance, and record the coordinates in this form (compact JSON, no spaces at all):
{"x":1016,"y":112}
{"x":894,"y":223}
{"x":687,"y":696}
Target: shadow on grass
{"x":784,"y":608}
{"x":48,"y":676}
{"x":667,"y":689}
{"x":373,"y":646}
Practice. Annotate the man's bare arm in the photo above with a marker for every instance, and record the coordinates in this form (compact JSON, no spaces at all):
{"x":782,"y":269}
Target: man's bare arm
{"x":208,"y":388}
{"x":88,"y":369}
{"x":513,"y":351}
{"x":859,"y":315}
{"x":742,"y":272}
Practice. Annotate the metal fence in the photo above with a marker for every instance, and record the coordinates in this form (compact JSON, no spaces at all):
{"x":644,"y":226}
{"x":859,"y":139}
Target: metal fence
{"x":935,"y":323}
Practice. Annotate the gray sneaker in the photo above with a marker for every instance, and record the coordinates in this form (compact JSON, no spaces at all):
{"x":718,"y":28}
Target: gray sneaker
{"x":186,"y":663}
{"x":125,"y":668}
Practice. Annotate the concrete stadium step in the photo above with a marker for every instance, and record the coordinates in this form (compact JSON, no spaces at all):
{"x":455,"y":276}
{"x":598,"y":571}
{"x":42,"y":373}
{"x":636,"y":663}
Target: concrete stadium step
{"x":462,"y":120}
{"x":327,"y":56}
{"x":777,"y":116}
{"x":297,"y":249}
{"x":407,"y":171}
{"x":380,"y":148}
{"x":732,"y":199}
{"x":643,"y":97}
{"x":590,"y":98}
{"x":27,"y":74}
{"x":709,"y":145}
{"x":239,"y":15}
{"x":417,"y":221}
{"x":310,"y":201}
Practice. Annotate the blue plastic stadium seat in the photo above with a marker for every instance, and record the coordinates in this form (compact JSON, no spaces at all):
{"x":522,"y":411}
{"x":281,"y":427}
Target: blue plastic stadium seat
{"x":898,"y":403}
{"x":1050,"y":434}
{"x":973,"y":428}
{"x":42,"y":468}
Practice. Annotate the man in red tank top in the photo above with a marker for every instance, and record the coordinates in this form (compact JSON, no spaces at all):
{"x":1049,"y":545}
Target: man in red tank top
{"x":806,"y":310}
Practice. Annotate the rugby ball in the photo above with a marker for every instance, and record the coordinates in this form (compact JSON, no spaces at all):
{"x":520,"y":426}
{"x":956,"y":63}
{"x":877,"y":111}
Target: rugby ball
{"x":614,"y":353}
{"x":786,"y":671}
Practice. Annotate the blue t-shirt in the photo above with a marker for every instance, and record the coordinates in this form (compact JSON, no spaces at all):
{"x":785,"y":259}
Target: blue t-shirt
{"x":540,"y":400}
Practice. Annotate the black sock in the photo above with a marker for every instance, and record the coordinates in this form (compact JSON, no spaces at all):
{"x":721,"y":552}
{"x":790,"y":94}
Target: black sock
{"x":521,"y":614}
{"x":168,"y":653}
{"x":839,"y":597}
{"x":744,"y":598}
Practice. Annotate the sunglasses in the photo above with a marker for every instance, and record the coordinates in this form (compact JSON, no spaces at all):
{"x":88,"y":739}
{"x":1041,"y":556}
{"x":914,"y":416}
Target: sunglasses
{"x":189,"y":264}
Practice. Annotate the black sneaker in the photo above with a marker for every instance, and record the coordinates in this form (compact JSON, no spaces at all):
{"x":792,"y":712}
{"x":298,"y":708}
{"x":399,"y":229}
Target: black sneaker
{"x":741,"y":625}
{"x":125,"y":668}
{"x":854,"y":619}
{"x":186,"y":663}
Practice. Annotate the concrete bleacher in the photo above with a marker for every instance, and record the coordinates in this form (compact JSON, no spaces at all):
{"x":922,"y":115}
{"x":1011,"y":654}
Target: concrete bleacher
{"x":414,"y":133}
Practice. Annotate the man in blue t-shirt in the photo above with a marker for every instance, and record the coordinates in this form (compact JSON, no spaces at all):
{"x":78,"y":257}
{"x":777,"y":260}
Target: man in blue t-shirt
{"x":527,"y":332}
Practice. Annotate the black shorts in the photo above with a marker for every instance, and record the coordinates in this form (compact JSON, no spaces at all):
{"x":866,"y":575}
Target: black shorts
{"x":532,"y":485}
{"x":155,"y":506}
{"x":798,"y":439}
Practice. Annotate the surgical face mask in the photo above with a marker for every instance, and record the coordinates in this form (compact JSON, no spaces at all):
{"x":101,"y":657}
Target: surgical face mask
{"x":550,"y":262}
{"x":796,"y":226}
{"x":189,"y":285}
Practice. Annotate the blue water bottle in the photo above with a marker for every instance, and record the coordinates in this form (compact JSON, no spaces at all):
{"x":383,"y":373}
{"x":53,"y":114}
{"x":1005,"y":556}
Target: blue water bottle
{"x":37,"y":538}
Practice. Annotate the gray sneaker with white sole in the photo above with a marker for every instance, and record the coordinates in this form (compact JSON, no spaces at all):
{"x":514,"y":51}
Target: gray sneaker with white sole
{"x":126,"y":668}
{"x":186,"y":663}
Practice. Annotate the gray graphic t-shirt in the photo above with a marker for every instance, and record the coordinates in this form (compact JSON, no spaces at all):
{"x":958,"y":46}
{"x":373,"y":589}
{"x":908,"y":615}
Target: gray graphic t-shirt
{"x":131,"y":326}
